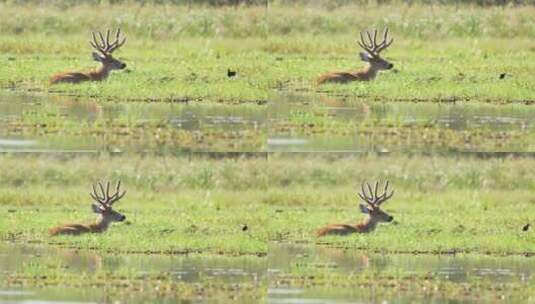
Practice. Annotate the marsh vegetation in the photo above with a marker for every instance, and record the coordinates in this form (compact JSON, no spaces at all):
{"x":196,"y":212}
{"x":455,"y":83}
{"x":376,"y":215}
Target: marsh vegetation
{"x":233,"y":155}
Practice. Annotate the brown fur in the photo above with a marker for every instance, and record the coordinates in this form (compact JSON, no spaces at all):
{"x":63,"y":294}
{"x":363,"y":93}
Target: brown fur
{"x":366,"y":74}
{"x":370,"y":55}
{"x":103,"y":54}
{"x":77,"y":77}
{"x":374,"y":214}
{"x":366,"y":226}
{"x":99,"y":226}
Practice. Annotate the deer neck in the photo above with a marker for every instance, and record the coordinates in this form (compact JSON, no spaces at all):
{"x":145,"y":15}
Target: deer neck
{"x":101,"y":224}
{"x":101,"y":73}
{"x":369,"y":72}
{"x":367,"y":225}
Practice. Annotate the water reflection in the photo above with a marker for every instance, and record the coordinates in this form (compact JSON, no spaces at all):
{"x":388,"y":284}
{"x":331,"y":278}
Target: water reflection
{"x":324,"y":123}
{"x":38,"y":261}
{"x":288,"y":260}
{"x":289,"y":123}
{"x":60,"y":123}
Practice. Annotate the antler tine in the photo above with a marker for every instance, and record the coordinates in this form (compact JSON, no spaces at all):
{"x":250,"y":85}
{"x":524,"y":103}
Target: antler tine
{"x":372,"y":198}
{"x":108,"y":190}
{"x":117,"y":195}
{"x":107,"y":38}
{"x":102,"y":40}
{"x":385,"y":196}
{"x":112,"y":45}
{"x":95,"y":196}
{"x":361,"y":42}
{"x":372,"y":46}
{"x":105,"y":198}
{"x":104,"y":45}
{"x":369,"y":45}
{"x":94,"y":43}
{"x":117,"y":186}
{"x":375,"y":189}
{"x":384,"y":44}
{"x":117,"y":43}
{"x":364,"y":44}
{"x":364,"y":195}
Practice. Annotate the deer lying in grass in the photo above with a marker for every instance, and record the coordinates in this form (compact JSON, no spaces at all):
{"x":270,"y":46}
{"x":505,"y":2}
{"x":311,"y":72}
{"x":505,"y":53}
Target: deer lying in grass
{"x":103,"y":54}
{"x":102,"y":207}
{"x":376,"y":63}
{"x":372,"y":209}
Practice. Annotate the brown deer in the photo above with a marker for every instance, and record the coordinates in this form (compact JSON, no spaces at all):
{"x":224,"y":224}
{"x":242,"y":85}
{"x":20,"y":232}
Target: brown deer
{"x":376,"y":63}
{"x":102,"y":207}
{"x":372,"y":209}
{"x":103,"y":54}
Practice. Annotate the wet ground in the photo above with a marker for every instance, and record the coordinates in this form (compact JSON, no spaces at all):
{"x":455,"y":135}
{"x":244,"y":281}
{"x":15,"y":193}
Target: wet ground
{"x":291,"y":274}
{"x":314,"y":274}
{"x":288,"y":123}
{"x":331,"y":124}
{"x":68,"y":124}
{"x":32,"y":274}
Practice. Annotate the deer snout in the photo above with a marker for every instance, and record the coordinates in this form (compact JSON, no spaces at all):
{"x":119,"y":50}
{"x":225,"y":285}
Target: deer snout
{"x":122,"y":66}
{"x":390,"y":218}
{"x":122,"y":218}
{"x":389,"y":66}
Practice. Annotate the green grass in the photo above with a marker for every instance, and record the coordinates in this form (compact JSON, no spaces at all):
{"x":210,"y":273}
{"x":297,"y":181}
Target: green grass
{"x":200,"y":206}
{"x":443,"y":204}
{"x":457,"y":53}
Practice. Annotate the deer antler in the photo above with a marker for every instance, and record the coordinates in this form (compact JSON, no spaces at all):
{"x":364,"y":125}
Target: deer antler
{"x":104,"y":198}
{"x":373,"y":48}
{"x":104,"y":46}
{"x":373,"y":198}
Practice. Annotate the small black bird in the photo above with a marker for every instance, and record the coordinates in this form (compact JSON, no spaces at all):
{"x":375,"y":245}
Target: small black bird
{"x":526,"y":227}
{"x":244,"y":227}
{"x":231,"y":73}
{"x":502,"y":75}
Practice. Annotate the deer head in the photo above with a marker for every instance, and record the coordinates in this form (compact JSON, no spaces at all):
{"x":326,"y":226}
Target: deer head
{"x":104,"y":201}
{"x":104,"y":50}
{"x":373,"y":50}
{"x":373,"y":202}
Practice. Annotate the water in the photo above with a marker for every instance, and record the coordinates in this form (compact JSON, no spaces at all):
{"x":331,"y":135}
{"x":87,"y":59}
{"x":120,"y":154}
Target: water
{"x":135,"y":278}
{"x":127,"y":275}
{"x":43,"y":123}
{"x":289,"y":123}
{"x":399,"y":277}
{"x":328,"y":124}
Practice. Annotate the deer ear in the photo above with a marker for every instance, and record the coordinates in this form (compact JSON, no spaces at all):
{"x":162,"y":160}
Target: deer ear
{"x":364,"y":209}
{"x":365,"y":56}
{"x":96,"y":208}
{"x":97,"y":57}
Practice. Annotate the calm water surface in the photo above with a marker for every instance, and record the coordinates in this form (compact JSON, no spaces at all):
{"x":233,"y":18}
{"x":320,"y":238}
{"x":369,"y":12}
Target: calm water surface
{"x":189,"y":269}
{"x":284,"y":259}
{"x":289,"y":123}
